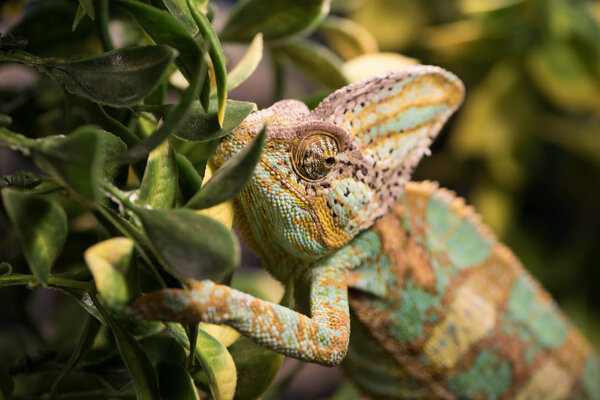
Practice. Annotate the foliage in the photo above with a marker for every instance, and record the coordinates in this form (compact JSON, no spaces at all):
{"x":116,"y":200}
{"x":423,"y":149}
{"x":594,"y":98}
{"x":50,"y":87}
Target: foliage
{"x":116,"y":206}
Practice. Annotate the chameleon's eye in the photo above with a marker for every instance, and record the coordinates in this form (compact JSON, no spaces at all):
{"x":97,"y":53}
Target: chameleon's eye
{"x":315,"y":156}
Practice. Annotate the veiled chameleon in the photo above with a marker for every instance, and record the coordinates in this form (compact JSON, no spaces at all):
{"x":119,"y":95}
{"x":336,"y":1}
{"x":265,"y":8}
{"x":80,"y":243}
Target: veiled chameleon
{"x":439,"y":308}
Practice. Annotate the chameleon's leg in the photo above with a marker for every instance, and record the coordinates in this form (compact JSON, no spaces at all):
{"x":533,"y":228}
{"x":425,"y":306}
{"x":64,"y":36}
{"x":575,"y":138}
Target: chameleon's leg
{"x":322,"y":338}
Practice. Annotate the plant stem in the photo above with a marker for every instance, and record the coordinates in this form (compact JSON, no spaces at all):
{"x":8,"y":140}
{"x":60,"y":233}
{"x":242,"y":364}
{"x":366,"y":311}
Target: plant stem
{"x":16,"y":279}
{"x":73,"y":284}
{"x":119,"y":129}
{"x":24,"y":279}
{"x":102,"y":18}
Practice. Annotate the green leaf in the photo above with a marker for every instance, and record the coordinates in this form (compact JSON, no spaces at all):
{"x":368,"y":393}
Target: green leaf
{"x":217,"y":364}
{"x":111,"y":264}
{"x":216,"y":56}
{"x":78,"y":17}
{"x":563,"y":78}
{"x":159,"y":184}
{"x":189,"y":180}
{"x":47,"y":27}
{"x":276,"y":19}
{"x":86,"y":7}
{"x":231,"y":177}
{"x":175,"y":382}
{"x":135,"y":358}
{"x":120,"y":77}
{"x":5,"y":268}
{"x":164,"y":347}
{"x":41,"y":226}
{"x":165,"y":29}
{"x":347,"y":38}
{"x":191,"y":245}
{"x":247,"y":64}
{"x":256,"y":367}
{"x":201,"y":126}
{"x":204,"y":126}
{"x":90,"y":331}
{"x":117,"y":78}
{"x":75,"y":161}
{"x":180,"y":10}
{"x":315,"y":60}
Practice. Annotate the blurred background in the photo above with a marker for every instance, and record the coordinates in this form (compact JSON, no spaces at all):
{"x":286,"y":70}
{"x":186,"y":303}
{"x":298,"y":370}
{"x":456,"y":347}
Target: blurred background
{"x":524,"y":149}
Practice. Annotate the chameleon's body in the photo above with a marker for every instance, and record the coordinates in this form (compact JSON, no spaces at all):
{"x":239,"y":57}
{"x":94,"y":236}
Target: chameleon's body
{"x":439,"y":308}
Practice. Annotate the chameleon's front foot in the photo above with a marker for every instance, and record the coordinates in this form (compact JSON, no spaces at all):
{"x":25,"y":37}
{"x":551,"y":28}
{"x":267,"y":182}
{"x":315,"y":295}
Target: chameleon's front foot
{"x":273,"y":326}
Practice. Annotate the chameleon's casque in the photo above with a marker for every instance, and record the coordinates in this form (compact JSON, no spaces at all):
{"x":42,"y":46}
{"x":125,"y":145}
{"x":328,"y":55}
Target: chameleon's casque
{"x":439,"y":308}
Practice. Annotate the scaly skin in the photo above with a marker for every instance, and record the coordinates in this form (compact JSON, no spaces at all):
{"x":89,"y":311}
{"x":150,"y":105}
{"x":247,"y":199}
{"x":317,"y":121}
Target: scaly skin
{"x":439,"y":308}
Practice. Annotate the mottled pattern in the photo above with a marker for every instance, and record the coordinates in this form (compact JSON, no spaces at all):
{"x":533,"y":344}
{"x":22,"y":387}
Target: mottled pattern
{"x":483,"y":328}
{"x":439,"y":308}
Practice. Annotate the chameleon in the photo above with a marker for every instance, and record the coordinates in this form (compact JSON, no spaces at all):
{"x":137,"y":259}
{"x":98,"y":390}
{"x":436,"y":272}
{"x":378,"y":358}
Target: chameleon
{"x":399,"y":282}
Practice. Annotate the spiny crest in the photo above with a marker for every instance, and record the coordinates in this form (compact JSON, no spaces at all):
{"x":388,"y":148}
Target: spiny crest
{"x":326,"y":175}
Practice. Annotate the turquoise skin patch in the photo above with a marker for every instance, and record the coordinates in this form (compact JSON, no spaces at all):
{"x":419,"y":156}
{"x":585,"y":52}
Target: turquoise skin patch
{"x":591,"y":372}
{"x":489,"y":377}
{"x":538,"y":321}
{"x":352,"y":202}
{"x":449,"y":234}
{"x":406,"y":323}
{"x":467,"y":247}
{"x":411,"y":118}
{"x":459,"y":238}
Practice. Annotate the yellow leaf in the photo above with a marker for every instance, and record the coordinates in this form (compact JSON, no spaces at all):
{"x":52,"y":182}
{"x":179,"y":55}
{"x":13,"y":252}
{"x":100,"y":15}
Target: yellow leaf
{"x":221,"y":212}
{"x":562,"y":77}
{"x":488,"y":125}
{"x":394,"y":23}
{"x":247,"y":64}
{"x":495,"y":206}
{"x":347,"y":38}
{"x":481,"y":6}
{"x":110,"y":264}
{"x":226,"y":335}
{"x":367,"y":65}
{"x":452,"y":39}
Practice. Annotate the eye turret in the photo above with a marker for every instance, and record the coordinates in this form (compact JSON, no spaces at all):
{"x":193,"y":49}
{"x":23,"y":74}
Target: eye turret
{"x":315,"y":156}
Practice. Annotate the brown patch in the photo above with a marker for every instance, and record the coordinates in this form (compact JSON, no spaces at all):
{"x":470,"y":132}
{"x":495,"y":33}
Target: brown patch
{"x":571,"y":355}
{"x":417,"y":198}
{"x":406,"y":255}
{"x":494,"y":278}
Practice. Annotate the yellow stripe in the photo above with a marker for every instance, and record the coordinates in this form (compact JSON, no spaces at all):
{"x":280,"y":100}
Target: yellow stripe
{"x":470,"y":317}
{"x":550,"y":382}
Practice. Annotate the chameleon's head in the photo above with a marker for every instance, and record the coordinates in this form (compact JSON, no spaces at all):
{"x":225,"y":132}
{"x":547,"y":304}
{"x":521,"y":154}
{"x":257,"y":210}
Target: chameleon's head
{"x":326,"y":175}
